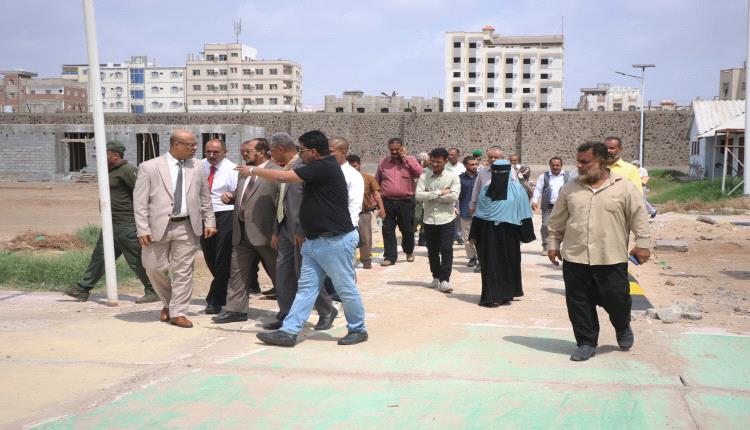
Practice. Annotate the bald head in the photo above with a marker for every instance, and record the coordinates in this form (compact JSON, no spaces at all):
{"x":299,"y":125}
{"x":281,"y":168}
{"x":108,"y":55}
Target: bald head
{"x":339,"y":147}
{"x":182,"y":144}
{"x":495,"y":153}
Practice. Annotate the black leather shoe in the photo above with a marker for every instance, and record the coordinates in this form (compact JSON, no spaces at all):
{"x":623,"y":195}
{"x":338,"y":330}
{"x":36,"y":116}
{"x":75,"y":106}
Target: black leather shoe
{"x":625,"y":338}
{"x":278,"y":338}
{"x":77,"y":293}
{"x":353,"y":337}
{"x":228,"y":317}
{"x":472,"y":262}
{"x":273,"y":325}
{"x":212,"y":310}
{"x":271,"y":292}
{"x":326,"y":322}
{"x":583,"y":353}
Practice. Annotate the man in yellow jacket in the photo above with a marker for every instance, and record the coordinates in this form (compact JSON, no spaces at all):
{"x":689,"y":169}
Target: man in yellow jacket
{"x":618,"y":165}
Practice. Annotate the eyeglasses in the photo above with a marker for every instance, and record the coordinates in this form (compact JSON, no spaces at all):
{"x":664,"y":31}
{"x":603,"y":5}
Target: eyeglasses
{"x":213,"y":152}
{"x":189,"y":144}
{"x":303,"y":150}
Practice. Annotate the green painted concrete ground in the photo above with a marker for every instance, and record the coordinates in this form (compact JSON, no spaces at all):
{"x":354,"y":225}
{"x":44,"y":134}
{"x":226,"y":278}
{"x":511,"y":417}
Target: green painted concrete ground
{"x":492,"y":378}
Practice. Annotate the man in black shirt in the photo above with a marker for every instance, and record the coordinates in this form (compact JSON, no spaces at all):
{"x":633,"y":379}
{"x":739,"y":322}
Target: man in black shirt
{"x":330,"y":240}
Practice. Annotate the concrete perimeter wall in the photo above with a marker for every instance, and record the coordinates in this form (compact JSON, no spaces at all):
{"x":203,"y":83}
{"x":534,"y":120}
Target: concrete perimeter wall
{"x":32,"y":142}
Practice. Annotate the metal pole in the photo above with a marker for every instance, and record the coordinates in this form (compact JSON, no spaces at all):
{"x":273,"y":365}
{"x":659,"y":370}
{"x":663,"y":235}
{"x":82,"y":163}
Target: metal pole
{"x":100,"y":142}
{"x":643,"y":95}
{"x":724,"y":167}
{"x":746,"y":149}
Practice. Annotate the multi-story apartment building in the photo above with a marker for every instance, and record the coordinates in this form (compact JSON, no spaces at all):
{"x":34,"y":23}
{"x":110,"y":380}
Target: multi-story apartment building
{"x":606,"y":98}
{"x":488,"y":72}
{"x":357,"y":101}
{"x":732,"y":84}
{"x":12,"y":89}
{"x":227,"y":77}
{"x":136,"y":86}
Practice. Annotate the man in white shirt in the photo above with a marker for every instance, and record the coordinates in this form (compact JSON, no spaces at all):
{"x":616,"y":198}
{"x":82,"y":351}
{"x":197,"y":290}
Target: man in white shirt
{"x":643,"y":173}
{"x":454,"y":163}
{"x":547,"y":187}
{"x":217,"y":250}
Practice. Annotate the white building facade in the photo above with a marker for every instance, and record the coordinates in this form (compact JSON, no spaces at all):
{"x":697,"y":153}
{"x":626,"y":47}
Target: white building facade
{"x":606,"y":98}
{"x":487,"y":72}
{"x":227,"y":77}
{"x":357,"y":101}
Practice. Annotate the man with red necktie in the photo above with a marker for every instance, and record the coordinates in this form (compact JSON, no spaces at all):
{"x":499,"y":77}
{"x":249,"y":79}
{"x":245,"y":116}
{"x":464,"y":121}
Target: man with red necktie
{"x":217,"y":250}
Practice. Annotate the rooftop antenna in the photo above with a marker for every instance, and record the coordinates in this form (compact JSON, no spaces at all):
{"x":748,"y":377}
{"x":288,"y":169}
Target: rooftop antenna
{"x":237,"y":30}
{"x":562,"y":25}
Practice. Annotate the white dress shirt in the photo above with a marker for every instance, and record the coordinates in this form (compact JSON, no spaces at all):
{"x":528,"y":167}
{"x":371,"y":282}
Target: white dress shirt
{"x":225,"y":179}
{"x":555,"y":183}
{"x":457,"y":169}
{"x":173,"y":170}
{"x":355,"y":186}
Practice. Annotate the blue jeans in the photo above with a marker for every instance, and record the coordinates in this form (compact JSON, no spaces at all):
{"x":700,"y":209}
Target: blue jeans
{"x":332,"y":256}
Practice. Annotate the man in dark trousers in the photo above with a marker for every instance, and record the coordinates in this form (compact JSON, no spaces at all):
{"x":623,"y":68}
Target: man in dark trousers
{"x":593,"y":218}
{"x":397,"y":175}
{"x":547,"y":188}
{"x":121,"y":183}
{"x":330,"y":241}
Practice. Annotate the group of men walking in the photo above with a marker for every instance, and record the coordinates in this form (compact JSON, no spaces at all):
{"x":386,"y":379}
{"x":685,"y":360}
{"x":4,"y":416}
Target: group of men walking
{"x":301,"y":209}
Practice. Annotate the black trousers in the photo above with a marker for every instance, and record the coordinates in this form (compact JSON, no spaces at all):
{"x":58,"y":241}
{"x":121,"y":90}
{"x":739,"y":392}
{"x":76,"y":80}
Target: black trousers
{"x":398,"y":213}
{"x":440,"y":249}
{"x":217,"y":251}
{"x":586,"y":287}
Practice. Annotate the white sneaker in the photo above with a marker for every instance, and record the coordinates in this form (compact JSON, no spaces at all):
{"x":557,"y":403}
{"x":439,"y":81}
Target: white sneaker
{"x":445,"y":287}
{"x":435,"y":283}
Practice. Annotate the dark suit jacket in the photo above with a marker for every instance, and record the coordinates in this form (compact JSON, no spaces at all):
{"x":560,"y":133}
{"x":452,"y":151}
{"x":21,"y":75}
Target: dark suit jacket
{"x":259,"y":204}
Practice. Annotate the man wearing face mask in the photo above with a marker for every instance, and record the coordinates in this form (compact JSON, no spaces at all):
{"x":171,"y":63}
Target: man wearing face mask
{"x":593,"y":218}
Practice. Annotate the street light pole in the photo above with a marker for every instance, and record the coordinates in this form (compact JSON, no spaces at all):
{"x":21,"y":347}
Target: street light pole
{"x":641,"y":78}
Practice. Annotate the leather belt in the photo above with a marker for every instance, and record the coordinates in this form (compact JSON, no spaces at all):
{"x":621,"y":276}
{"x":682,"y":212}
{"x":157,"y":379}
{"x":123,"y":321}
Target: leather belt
{"x":179,"y":219}
{"x":328,"y":234}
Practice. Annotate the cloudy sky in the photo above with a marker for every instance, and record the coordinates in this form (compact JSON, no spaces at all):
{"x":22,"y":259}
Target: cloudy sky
{"x":394,"y":45}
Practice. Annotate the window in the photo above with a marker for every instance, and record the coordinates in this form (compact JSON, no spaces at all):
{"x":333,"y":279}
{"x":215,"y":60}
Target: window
{"x":273,"y":71}
{"x":456,"y":89}
{"x":527,"y":61}
{"x":136,"y":76}
{"x":174,"y":75}
{"x":273,"y":101}
{"x":210,"y":57}
{"x":223,"y":87}
{"x":526,"y":105}
{"x":155,"y":105}
{"x":456,"y":44}
{"x":544,"y":76}
{"x":196,"y":72}
{"x":509,"y":105}
{"x":247,"y":72}
{"x":118,"y":75}
{"x":509,"y":76}
{"x":211,"y":87}
{"x":232,"y":70}
{"x":509,"y":60}
{"x":119,"y":105}
{"x":600,"y":108}
{"x":247,"y":101}
{"x":632,"y":108}
{"x":258,"y":86}
{"x":234,"y":54}
{"x":472,"y":59}
{"x":196,"y":102}
{"x":247,"y":87}
{"x":196,"y":87}
{"x":472,"y":74}
{"x":360,"y":110}
{"x":490,"y":90}
{"x":211,"y":72}
{"x":472,"y":90}
{"x":472,"y":104}
{"x":136,"y":94}
{"x":508,"y":90}
{"x":543,"y":90}
{"x":545,"y":61}
{"x":259,"y":101}
{"x":47,"y":91}
{"x":456,"y":59}
{"x":273,"y":86}
{"x":174,"y":105}
{"x":154,"y":89}
{"x":383,"y":110}
{"x":427,"y":110}
{"x":137,"y":108}
{"x":456,"y":104}
{"x":456,"y":74}
{"x":234,"y":85}
{"x":491,"y":60}
{"x":490,"y":104}
{"x":339,"y":110}
{"x":527,"y":75}
{"x":527,"y":90}
{"x":32,"y":92}
{"x":491,"y":75}
{"x":258,"y":71}
{"x":472,"y":45}
{"x":222,"y":57}
{"x":223,"y":72}
{"x":154,"y":75}
{"x":223,"y":102}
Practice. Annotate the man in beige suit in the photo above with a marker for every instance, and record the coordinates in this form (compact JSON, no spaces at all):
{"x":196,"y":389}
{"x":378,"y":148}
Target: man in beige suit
{"x":253,"y":226}
{"x":172,"y":203}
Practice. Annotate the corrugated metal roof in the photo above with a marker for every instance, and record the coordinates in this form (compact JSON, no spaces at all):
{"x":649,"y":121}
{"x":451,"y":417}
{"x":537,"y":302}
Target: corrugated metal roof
{"x":711,"y":114}
{"x":736,"y":123}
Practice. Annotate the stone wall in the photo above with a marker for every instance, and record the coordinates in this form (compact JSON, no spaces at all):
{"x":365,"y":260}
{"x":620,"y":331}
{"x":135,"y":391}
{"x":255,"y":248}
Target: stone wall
{"x":32,"y":141}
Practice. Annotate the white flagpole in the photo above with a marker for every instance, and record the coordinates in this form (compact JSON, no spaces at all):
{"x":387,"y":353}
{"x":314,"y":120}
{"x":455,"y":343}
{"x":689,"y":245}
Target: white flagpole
{"x":100,"y":141}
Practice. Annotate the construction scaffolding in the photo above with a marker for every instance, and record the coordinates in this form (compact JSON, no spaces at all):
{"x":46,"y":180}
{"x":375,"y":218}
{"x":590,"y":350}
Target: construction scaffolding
{"x":732,"y":145}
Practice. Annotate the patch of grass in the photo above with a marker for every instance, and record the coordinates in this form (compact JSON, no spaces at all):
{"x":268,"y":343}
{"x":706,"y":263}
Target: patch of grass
{"x":89,"y":234}
{"x":50,"y":271}
{"x":677,"y":193}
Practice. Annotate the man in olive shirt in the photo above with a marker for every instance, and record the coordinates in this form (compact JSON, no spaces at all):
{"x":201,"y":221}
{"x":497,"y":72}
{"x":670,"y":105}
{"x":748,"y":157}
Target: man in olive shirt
{"x":121,"y":182}
{"x":593,"y":217}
